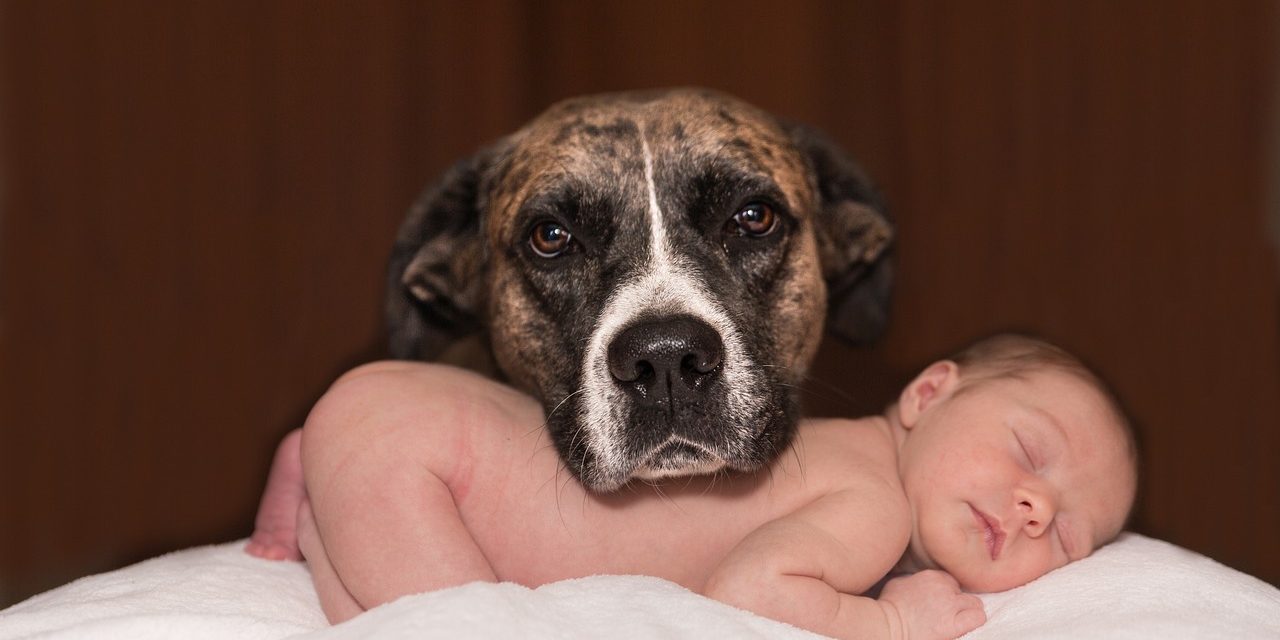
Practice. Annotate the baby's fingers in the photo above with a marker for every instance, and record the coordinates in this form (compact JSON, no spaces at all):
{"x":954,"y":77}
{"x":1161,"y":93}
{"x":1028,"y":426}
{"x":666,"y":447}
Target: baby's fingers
{"x":969,"y":616}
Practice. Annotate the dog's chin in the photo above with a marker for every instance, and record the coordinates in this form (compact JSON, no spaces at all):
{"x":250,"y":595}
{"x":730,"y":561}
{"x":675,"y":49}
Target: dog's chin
{"x":639,"y":455}
{"x":678,"y":458}
{"x":675,"y":458}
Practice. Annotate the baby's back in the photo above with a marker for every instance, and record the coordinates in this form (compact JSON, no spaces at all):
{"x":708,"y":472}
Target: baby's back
{"x":535,"y":524}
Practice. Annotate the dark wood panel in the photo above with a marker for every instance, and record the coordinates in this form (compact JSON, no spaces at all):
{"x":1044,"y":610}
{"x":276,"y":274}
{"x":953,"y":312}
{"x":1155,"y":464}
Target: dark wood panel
{"x":199,"y":202}
{"x":198,"y":199}
{"x":1096,"y":173}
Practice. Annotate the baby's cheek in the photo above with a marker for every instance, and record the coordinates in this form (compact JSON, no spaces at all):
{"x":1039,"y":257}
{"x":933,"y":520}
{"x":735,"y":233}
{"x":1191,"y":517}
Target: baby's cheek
{"x":1028,"y":567}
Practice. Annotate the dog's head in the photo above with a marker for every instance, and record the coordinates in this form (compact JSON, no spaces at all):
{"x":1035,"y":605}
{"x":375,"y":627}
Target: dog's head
{"x":656,"y":268}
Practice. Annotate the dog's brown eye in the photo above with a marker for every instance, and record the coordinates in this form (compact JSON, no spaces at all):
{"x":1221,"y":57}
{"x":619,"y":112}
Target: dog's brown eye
{"x":756,"y":219}
{"x":550,"y":239}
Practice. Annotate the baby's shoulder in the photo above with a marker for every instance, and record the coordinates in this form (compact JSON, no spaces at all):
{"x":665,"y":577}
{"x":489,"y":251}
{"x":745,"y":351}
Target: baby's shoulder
{"x":852,"y":453}
{"x":860,"y":438}
{"x":863,"y":503}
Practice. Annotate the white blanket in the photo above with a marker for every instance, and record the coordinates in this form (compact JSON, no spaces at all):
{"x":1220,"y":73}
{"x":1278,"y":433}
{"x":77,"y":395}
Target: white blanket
{"x":1136,"y":587}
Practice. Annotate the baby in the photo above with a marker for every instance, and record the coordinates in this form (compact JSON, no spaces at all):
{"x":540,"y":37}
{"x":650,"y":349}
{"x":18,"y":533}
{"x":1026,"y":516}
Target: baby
{"x":992,"y":468}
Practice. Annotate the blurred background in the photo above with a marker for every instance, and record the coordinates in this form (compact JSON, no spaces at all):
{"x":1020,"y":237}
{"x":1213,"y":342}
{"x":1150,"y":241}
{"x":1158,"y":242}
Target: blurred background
{"x":197,"y":200}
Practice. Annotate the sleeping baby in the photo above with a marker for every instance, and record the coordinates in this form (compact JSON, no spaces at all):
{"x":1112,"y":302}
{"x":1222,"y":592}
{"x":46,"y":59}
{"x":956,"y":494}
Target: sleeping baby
{"x":992,"y":468}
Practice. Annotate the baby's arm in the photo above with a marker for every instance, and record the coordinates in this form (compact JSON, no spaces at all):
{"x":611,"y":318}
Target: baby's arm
{"x":379,"y":454}
{"x":807,"y":567}
{"x":930,"y":604}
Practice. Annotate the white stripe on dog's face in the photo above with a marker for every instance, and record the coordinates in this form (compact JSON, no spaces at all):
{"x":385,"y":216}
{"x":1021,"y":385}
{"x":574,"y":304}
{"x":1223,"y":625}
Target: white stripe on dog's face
{"x":667,"y":286}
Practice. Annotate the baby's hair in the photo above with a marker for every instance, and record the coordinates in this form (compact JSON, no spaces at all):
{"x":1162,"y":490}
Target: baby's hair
{"x":1011,"y":355}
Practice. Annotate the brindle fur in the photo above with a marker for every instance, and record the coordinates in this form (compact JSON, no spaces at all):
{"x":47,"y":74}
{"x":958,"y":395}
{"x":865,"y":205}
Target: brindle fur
{"x":461,"y":261}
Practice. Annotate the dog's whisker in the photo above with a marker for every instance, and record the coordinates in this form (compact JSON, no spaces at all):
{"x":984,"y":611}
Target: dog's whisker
{"x":657,"y":487}
{"x":542,"y":430}
{"x":834,"y":393}
{"x":573,"y":440}
{"x":715,"y":477}
{"x":536,"y":447}
{"x":796,"y":450}
{"x":540,"y":449}
{"x":850,"y":402}
{"x":547,"y":420}
{"x":579,"y":427}
{"x":710,"y":484}
{"x":551,"y":480}
{"x":554,"y":481}
{"x":560,"y":489}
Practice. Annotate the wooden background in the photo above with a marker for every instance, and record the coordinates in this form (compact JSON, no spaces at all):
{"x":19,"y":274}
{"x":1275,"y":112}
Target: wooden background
{"x":198,"y":199}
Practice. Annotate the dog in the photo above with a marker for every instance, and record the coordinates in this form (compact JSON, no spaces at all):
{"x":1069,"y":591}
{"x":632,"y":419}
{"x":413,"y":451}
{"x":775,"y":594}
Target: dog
{"x":656,"y":268}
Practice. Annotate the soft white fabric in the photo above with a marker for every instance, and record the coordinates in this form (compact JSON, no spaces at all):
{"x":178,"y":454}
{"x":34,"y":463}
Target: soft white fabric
{"x":1136,"y":587}
{"x":207,"y":592}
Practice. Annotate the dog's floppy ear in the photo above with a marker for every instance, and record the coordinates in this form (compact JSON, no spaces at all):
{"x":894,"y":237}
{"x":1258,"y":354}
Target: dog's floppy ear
{"x":854,"y":238}
{"x":435,"y":283}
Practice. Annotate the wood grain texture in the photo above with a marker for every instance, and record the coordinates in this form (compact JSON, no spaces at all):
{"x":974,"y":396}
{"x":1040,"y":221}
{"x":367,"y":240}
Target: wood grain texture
{"x":198,"y":198}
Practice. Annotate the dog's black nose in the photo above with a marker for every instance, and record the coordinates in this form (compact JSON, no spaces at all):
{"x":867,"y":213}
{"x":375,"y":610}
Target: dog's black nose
{"x":661,"y":362}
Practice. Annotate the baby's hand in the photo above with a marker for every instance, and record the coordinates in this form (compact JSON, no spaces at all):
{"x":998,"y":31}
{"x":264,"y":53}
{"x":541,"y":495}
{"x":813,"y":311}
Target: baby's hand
{"x":929,"y":604}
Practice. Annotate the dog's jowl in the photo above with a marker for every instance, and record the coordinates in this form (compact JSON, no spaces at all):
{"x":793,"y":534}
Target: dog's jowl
{"x":655,"y":267}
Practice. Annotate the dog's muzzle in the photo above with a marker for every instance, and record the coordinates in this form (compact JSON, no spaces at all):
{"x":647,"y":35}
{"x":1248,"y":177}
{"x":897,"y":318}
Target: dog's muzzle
{"x":670,"y":369}
{"x":663,"y":364}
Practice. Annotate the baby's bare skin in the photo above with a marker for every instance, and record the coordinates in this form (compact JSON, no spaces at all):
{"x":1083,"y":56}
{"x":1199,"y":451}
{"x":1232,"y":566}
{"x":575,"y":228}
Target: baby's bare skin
{"x":422,"y":477}
{"x":433,"y":495}
{"x":275,"y":535}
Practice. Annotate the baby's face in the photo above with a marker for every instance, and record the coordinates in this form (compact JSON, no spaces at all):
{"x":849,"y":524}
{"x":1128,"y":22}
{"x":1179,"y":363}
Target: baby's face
{"x":1013,"y":478}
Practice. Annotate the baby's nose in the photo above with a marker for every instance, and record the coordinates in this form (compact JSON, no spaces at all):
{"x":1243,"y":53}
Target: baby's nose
{"x":1036,"y":511}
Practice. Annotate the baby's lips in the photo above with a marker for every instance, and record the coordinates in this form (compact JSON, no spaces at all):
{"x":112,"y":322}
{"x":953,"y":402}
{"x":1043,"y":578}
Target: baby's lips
{"x":992,"y":533}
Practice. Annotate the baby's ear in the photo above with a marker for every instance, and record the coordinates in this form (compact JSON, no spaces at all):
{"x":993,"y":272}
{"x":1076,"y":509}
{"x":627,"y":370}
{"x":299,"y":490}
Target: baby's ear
{"x":934,"y":384}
